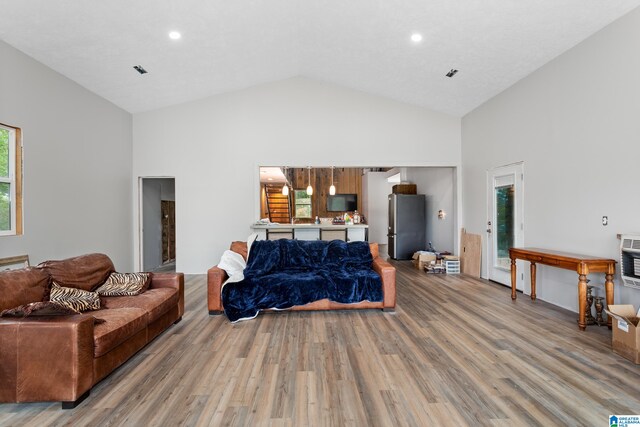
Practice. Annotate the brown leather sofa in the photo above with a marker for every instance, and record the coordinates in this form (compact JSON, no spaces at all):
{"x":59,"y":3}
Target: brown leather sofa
{"x":217,"y":276}
{"x":59,"y":358}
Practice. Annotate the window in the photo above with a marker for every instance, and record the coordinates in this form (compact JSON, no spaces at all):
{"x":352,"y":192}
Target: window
{"x":10,"y":181}
{"x":302,"y":204}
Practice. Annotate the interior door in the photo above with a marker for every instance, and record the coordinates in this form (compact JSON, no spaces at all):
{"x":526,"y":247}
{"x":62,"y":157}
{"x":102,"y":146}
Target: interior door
{"x":505,"y":221}
{"x":168,"y":209}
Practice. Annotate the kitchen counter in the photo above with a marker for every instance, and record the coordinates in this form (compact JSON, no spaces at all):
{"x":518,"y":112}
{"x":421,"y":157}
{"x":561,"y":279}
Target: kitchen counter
{"x":347,"y":232}
{"x":276,"y":226}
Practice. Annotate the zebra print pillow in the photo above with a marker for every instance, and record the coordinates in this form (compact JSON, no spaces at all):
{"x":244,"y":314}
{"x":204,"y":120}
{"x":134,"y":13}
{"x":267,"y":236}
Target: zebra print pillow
{"x":76,"y":299}
{"x":122,"y":284}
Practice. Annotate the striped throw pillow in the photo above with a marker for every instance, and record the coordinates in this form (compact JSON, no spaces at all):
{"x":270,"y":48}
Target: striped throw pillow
{"x":122,"y":284}
{"x":75,"y":299}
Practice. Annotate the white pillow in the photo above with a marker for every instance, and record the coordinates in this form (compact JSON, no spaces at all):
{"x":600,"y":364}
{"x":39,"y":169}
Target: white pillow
{"x":252,"y":238}
{"x":233,"y":264}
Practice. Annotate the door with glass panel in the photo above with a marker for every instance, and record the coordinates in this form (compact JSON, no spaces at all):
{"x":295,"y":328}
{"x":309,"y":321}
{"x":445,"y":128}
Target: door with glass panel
{"x":7,"y":181}
{"x":505,"y":223}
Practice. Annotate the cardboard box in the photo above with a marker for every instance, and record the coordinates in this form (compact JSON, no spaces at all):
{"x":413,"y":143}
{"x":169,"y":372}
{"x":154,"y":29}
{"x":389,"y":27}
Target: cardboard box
{"x":404,"y":189}
{"x":422,"y":259}
{"x":626,"y":333}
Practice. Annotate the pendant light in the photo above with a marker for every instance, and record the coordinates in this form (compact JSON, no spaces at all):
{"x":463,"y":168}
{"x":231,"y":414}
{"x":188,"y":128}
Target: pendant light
{"x":309,"y":187}
{"x":285,"y":187}
{"x":332,"y":189}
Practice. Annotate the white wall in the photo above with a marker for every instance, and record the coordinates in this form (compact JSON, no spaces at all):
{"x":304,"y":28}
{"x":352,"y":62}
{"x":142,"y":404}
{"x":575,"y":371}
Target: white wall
{"x":376,"y":205}
{"x":214,"y":146}
{"x":168,"y":189}
{"x":77,"y":165}
{"x":437,"y":184}
{"x":151,"y":224}
{"x":575,"y":123}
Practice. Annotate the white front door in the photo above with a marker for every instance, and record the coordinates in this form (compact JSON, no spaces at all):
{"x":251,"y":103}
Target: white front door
{"x":505,"y":221}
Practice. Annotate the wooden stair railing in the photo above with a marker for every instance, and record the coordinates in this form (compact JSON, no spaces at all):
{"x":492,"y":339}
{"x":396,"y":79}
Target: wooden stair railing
{"x":278,"y":205}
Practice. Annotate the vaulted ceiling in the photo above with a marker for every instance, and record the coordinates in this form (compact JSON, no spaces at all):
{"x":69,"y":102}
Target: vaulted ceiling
{"x":360,"y":44}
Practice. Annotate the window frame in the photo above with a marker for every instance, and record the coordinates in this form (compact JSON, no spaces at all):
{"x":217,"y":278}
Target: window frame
{"x":14,"y":180}
{"x":296,"y":204}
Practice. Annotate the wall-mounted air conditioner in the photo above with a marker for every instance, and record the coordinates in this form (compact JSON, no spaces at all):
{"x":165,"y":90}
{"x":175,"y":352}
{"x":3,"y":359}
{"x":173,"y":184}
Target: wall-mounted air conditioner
{"x":630,"y":260}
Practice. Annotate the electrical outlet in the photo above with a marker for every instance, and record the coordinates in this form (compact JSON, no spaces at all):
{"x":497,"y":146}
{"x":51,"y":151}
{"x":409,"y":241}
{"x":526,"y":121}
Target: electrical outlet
{"x":605,"y":220}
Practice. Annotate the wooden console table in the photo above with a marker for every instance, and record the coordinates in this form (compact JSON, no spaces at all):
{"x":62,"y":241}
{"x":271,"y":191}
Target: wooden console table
{"x":581,"y":264}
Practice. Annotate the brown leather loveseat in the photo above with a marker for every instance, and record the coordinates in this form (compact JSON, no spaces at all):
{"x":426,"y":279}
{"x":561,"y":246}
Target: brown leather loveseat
{"x":59,"y":358}
{"x":216,"y":277}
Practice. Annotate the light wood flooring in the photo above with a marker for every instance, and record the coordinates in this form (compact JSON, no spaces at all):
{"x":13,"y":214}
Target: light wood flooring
{"x":456,"y":352}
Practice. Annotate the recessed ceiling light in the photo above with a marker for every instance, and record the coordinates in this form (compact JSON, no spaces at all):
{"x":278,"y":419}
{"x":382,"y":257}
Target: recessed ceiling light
{"x":174,"y":35}
{"x":416,"y":37}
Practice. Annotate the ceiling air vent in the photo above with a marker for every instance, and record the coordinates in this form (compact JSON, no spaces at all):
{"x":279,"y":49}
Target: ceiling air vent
{"x":139,"y":69}
{"x":452,"y":72}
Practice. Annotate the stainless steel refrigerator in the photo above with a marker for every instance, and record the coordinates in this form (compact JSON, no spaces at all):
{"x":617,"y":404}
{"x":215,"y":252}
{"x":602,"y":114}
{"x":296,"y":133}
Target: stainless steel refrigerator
{"x":407,"y":225}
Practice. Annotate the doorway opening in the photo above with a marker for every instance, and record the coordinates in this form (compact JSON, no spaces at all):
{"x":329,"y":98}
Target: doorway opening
{"x":368,"y":189}
{"x":505,"y":220}
{"x":157,"y":224}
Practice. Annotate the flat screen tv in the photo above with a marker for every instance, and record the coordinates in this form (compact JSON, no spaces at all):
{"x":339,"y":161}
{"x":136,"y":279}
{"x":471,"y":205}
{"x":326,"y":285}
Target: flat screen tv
{"x":342,"y":203}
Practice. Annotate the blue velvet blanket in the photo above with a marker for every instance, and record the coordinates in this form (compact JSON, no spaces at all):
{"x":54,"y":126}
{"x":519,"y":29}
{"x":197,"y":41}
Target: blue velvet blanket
{"x":284,"y":273}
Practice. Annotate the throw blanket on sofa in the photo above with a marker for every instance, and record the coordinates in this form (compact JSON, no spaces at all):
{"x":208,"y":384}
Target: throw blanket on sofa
{"x":284,"y":273}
